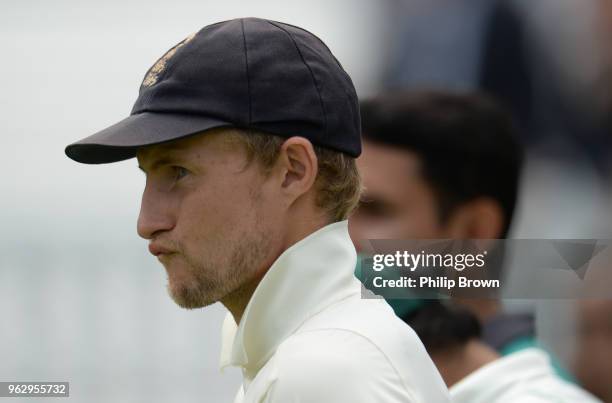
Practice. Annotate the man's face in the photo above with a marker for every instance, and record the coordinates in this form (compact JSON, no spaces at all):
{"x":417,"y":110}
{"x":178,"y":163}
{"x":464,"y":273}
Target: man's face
{"x":397,"y":202}
{"x":208,"y":216}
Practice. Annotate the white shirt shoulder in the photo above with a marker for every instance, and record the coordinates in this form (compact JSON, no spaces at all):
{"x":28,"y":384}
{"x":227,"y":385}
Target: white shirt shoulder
{"x":522,"y":377}
{"x":334,"y":365}
{"x":337,"y":356}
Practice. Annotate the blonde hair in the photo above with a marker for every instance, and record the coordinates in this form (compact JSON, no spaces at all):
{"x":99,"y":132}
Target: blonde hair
{"x":338,"y":184}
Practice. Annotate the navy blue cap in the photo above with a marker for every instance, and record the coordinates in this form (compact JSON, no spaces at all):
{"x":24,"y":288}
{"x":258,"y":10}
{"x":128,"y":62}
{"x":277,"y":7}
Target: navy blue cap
{"x":248,"y":73}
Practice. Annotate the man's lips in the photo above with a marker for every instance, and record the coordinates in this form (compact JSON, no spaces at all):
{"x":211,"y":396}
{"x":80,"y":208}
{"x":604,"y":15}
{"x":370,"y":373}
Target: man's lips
{"x":157,"y":250}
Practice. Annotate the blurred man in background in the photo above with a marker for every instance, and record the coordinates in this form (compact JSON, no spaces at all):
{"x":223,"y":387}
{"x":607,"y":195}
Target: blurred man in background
{"x":437,"y":165}
{"x":447,"y":166}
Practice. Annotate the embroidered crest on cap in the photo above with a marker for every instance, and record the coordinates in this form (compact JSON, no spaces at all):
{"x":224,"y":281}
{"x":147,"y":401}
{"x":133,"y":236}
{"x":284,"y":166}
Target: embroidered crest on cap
{"x":159,"y":66}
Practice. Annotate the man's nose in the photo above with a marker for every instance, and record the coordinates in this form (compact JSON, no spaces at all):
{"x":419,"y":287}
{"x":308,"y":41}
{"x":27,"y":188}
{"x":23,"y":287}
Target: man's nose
{"x":155,"y":215}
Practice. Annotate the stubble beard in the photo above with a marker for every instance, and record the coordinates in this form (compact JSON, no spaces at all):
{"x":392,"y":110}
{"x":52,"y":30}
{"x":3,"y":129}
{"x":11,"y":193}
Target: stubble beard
{"x":210,"y":283}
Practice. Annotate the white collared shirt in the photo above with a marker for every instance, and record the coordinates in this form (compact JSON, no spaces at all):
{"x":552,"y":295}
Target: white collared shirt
{"x":307,"y":336}
{"x":525,"y":376}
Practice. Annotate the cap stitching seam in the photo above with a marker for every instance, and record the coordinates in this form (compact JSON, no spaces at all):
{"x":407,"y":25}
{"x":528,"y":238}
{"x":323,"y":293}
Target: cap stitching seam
{"x":321,"y":42}
{"x":316,"y":84}
{"x":246,"y":62}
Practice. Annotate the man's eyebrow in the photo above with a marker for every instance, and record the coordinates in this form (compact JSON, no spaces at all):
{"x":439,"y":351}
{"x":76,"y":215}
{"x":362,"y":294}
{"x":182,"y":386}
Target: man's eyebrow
{"x":166,"y":160}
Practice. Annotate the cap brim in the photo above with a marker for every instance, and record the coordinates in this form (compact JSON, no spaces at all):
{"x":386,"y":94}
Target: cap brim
{"x":121,"y":140}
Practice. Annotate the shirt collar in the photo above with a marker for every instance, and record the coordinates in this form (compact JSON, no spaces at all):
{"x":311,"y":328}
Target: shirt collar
{"x":492,"y":380}
{"x":307,"y":277}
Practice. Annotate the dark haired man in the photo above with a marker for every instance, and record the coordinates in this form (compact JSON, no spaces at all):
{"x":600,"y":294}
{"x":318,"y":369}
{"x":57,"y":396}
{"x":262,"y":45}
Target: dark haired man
{"x":437,"y":165}
{"x":443,"y":165}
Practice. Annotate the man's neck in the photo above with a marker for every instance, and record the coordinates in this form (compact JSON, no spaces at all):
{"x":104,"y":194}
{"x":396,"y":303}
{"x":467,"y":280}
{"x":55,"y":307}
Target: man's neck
{"x":237,"y":301}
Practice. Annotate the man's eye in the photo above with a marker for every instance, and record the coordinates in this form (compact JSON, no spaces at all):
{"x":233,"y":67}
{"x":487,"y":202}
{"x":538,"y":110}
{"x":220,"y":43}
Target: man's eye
{"x":180,"y":172}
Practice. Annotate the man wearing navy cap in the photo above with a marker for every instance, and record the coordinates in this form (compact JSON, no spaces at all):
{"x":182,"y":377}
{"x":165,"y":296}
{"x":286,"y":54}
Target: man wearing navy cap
{"x":247,"y":132}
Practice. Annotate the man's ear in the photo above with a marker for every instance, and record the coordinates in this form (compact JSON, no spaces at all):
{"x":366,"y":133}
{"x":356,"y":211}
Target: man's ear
{"x":299,"y":166}
{"x":481,"y":218}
